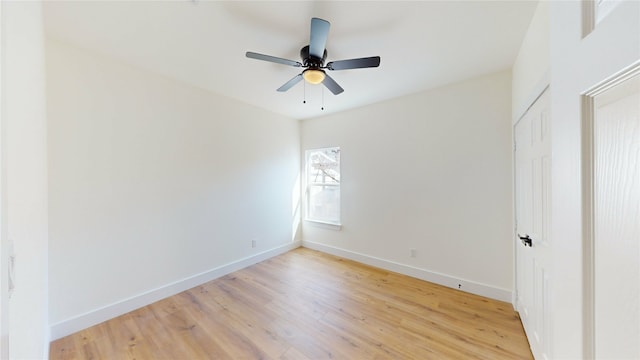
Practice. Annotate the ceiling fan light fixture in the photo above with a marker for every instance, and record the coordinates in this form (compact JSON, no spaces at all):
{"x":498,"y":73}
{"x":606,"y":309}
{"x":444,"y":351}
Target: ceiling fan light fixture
{"x":313,"y":76}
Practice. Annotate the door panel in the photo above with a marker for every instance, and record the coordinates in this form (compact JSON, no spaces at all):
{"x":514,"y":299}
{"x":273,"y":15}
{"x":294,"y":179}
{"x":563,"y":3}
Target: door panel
{"x":533,"y":191}
{"x":616,"y":221}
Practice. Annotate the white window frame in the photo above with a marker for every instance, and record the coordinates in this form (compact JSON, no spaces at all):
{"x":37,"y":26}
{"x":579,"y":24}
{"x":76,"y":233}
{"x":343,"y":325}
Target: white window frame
{"x":336,"y":225}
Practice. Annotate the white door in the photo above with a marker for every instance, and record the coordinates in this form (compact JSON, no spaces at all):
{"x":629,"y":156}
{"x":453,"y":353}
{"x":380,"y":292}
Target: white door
{"x":615,"y":178}
{"x":532,"y":176}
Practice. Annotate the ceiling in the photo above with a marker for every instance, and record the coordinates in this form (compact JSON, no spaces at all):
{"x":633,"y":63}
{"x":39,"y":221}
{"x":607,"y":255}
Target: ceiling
{"x":422,"y":44}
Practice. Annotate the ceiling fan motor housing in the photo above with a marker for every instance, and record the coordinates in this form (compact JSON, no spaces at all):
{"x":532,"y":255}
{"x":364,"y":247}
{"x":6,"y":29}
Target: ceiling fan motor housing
{"x":310,"y":61}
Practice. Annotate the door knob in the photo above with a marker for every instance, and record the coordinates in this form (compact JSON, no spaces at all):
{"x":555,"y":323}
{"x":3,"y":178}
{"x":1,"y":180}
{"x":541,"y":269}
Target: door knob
{"x":526,"y":240}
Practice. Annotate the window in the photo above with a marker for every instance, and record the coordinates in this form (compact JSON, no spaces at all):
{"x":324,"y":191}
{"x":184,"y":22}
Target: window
{"x":594,"y":11}
{"x":604,"y":7}
{"x":323,"y":185}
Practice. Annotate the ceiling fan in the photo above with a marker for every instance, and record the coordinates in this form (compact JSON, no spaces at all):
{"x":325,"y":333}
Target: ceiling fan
{"x":313,"y":57}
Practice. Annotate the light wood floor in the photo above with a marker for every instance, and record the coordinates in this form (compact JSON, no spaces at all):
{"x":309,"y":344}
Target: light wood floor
{"x":308,"y":305}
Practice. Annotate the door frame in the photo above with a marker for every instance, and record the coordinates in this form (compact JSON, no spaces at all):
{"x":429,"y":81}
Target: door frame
{"x":588,"y":215}
{"x":4,"y":270}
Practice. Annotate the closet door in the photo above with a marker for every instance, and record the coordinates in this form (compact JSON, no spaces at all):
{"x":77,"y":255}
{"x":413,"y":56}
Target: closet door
{"x":533,"y":191}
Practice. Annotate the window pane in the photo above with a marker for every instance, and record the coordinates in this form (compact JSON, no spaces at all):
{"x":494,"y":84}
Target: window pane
{"x":324,"y":166}
{"x":324,"y":203}
{"x":604,"y":7}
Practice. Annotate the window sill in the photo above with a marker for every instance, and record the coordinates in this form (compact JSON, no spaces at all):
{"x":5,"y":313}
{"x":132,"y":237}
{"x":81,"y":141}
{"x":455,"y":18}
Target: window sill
{"x":324,"y":225}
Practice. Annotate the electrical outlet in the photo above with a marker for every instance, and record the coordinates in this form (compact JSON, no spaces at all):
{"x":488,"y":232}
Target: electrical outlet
{"x":254,"y":243}
{"x":414,"y":253}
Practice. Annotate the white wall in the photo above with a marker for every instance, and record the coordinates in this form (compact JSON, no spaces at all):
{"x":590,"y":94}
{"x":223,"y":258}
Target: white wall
{"x":432,"y":172}
{"x":152,"y":182}
{"x":577,"y":65}
{"x":24,"y":168}
{"x":531,"y":68}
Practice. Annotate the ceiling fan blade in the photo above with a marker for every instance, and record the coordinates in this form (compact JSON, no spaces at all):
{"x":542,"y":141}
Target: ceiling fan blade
{"x":332,"y":85}
{"x":367,"y":62}
{"x":274,"y":59}
{"x":318,"y":40}
{"x":289,"y":84}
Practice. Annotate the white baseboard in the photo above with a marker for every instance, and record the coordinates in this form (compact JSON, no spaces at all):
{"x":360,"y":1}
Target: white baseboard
{"x":47,"y":341}
{"x":431,"y":276}
{"x":83,"y":321}
{"x":91,"y":318}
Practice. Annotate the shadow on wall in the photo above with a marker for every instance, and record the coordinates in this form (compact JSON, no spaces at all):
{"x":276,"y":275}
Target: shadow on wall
{"x":295,"y":208}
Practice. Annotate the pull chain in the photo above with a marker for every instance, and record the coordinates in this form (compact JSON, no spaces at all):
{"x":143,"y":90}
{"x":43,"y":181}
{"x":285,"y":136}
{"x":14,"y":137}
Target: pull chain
{"x":304,"y":92}
{"x":322,"y":108}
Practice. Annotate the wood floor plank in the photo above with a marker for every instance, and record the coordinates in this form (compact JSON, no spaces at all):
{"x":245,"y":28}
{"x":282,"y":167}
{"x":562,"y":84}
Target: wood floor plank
{"x":308,"y":305}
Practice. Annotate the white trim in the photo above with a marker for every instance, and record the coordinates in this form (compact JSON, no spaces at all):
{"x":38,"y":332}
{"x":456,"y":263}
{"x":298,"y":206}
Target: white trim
{"x":587,"y":226}
{"x":615,"y":79}
{"x":324,"y":225}
{"x":4,"y":276}
{"x":588,"y":196}
{"x":47,"y":342}
{"x":588,"y":17}
{"x":423,"y":274}
{"x":94,"y":317}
